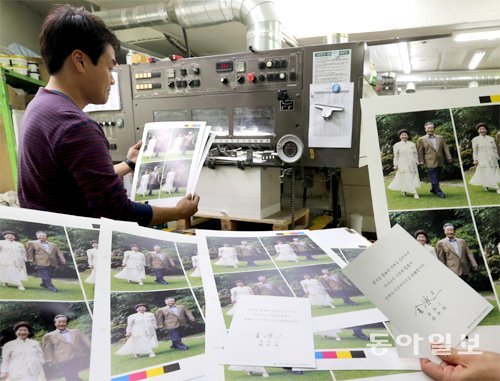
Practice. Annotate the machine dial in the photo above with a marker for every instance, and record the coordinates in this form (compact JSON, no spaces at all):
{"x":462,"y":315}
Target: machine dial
{"x":290,"y":148}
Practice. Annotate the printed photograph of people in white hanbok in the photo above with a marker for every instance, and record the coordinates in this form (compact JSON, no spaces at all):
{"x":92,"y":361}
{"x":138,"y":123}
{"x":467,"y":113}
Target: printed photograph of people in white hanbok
{"x":85,"y":246}
{"x":149,"y":181}
{"x":34,"y":346}
{"x":327,"y":288}
{"x":173,"y":183}
{"x":237,"y":254}
{"x":231,"y":287}
{"x":420,"y":162}
{"x":141,"y":264}
{"x":294,"y":250}
{"x":156,"y":145}
{"x":191,"y":262}
{"x":182,"y":143}
{"x":154,"y":328}
{"x":36,"y":262}
{"x":478,"y":131}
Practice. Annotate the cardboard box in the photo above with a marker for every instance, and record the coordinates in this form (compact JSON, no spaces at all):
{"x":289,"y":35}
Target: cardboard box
{"x":17,"y":98}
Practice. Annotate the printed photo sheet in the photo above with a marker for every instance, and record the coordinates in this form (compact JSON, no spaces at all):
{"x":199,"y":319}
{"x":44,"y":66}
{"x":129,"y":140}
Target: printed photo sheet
{"x":170,"y":161}
{"x":265,"y":263}
{"x":47,"y":274}
{"x":150,"y":310}
{"x":469,"y":206}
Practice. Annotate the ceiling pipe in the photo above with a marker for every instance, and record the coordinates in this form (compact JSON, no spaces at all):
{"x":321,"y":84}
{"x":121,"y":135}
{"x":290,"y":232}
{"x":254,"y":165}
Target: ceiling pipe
{"x":449,"y":79}
{"x":259,"y":17}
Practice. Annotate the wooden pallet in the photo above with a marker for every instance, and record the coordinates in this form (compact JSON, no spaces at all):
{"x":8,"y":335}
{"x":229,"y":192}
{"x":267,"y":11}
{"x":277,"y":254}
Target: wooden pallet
{"x":279,"y":221}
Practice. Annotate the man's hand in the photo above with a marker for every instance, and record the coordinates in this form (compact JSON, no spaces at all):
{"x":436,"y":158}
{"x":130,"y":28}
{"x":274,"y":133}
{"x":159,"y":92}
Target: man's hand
{"x":133,"y":152}
{"x":474,"y":268}
{"x":466,"y":367}
{"x":188,"y":205}
{"x":449,"y":161}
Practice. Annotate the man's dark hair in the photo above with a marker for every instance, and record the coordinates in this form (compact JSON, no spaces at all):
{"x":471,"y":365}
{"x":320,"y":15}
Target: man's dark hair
{"x":66,"y":29}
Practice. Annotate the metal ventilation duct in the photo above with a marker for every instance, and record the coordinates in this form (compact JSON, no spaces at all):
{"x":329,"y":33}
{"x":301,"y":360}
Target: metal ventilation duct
{"x":259,"y":16}
{"x":451,"y":79}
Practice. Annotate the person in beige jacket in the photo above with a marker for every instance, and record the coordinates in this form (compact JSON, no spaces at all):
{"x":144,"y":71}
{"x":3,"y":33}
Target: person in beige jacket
{"x":174,"y":317}
{"x":432,"y":151}
{"x":159,"y":262}
{"x":45,"y":256}
{"x":455,"y":253}
{"x":69,"y":348}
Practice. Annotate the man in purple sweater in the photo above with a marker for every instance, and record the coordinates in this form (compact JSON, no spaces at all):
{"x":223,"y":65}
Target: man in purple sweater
{"x":64,"y":160}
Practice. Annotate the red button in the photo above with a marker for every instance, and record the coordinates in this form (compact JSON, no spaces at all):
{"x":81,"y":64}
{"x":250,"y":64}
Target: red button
{"x":251,"y":77}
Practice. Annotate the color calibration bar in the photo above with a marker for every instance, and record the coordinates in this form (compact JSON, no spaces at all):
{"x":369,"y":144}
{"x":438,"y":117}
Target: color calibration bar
{"x":145,"y":374}
{"x":490,"y":99}
{"x":340,"y":355}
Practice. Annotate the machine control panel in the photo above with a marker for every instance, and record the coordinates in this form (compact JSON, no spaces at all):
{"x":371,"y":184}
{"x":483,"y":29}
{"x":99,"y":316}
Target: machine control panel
{"x":254,"y":99}
{"x":202,"y":75}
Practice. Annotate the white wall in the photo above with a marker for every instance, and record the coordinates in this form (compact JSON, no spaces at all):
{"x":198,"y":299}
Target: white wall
{"x":20,"y":24}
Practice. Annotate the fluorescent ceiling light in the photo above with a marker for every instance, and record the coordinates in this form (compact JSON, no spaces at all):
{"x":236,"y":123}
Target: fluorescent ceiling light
{"x":478,"y":34}
{"x":404,"y":54}
{"x":476,"y":58}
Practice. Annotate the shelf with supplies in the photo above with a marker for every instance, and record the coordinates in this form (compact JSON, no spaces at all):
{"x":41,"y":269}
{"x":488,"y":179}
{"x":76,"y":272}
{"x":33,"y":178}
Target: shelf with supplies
{"x":278,"y":221}
{"x":12,"y":105}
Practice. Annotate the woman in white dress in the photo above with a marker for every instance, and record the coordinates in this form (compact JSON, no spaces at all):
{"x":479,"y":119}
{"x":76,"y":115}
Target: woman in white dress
{"x":195,"y":261}
{"x":422,"y":238}
{"x":316,"y":293}
{"x":22,"y":358}
{"x":285,"y":252}
{"x":141,"y":333}
{"x":143,"y":183}
{"x":134,"y":263}
{"x":236,"y":293}
{"x":485,"y":156}
{"x":12,"y":261}
{"x":406,"y":166}
{"x":227,"y":256}
{"x":150,"y":150}
{"x":91,"y":259}
{"x":169,"y":182}
{"x":176,"y":146}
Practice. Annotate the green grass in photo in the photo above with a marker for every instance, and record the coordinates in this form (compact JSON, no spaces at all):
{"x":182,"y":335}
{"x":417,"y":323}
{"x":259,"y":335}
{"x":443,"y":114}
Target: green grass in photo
{"x":348,"y":340}
{"x":181,"y":192}
{"x":493,"y":318}
{"x":242,"y":266}
{"x":341,"y":307}
{"x":319,"y":259}
{"x":278,"y":374}
{"x":478,"y":196}
{"x":153,"y":159}
{"x":195,"y":281}
{"x":164,"y":354}
{"x":174,"y":282}
{"x":154,"y":196}
{"x":87,"y":287}
{"x":69,"y":289}
{"x":454,"y":191}
{"x":188,"y":155}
